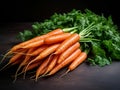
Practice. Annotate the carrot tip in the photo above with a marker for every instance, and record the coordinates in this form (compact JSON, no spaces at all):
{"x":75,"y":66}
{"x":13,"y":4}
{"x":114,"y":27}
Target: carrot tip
{"x":4,"y":66}
{"x":4,"y":56}
{"x":65,"y":73}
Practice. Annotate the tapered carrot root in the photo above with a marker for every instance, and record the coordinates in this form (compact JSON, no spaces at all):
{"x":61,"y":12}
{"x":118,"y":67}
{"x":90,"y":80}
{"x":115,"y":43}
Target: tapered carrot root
{"x":82,"y":57}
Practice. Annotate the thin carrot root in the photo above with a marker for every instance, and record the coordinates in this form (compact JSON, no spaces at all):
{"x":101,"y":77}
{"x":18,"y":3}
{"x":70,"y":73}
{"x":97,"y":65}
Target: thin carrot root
{"x":16,"y":73}
{"x":5,"y":66}
{"x":65,"y":73}
{"x":8,"y":53}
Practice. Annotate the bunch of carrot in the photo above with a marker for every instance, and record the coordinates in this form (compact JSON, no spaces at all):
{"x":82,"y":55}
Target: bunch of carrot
{"x":47,"y":54}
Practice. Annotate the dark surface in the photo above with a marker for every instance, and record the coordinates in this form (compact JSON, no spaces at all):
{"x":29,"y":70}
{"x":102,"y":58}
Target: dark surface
{"x":85,"y":77}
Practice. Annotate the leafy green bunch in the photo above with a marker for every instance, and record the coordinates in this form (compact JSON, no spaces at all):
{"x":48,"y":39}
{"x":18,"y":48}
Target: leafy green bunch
{"x":103,"y":37}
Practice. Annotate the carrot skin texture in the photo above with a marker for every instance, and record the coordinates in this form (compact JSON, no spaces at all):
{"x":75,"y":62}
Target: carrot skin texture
{"x":67,"y":43}
{"x":82,"y":57}
{"x":68,"y":52}
{"x":35,"y":44}
{"x":67,"y":61}
{"x":37,"y":38}
{"x":57,"y":38}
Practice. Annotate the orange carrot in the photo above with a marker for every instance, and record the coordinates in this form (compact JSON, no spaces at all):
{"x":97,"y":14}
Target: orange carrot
{"x":82,"y":57}
{"x":67,"y":43}
{"x":34,"y":44}
{"x":37,"y":38}
{"x":18,"y":46}
{"x":57,"y":38}
{"x":68,"y":52}
{"x":67,"y":61}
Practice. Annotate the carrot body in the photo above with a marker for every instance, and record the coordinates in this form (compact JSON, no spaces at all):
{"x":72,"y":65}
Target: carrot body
{"x":67,"y":43}
{"x":68,"y":52}
{"x":57,"y":38}
{"x":18,"y":46}
{"x":82,"y":57}
{"x":34,"y":44}
{"x":67,"y":61}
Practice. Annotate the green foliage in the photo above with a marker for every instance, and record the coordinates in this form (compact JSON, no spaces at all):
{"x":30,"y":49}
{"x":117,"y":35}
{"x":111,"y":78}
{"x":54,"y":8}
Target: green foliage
{"x":103,"y":40}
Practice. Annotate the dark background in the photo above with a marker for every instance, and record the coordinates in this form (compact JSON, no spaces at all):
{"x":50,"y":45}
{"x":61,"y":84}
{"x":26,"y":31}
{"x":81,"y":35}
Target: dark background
{"x":38,"y":10}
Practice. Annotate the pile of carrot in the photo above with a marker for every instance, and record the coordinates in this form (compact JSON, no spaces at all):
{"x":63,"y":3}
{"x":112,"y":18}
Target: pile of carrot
{"x":47,"y":54}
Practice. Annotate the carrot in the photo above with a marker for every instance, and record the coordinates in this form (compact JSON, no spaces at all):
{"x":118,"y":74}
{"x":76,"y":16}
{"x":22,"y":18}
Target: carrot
{"x":41,"y":67}
{"x":57,"y":38}
{"x":37,"y":38}
{"x":18,"y":46}
{"x":67,"y":43}
{"x":82,"y":57}
{"x":67,"y":61}
{"x":34,"y":44}
{"x":51,"y":64}
{"x":44,"y":54}
{"x":68,"y":52}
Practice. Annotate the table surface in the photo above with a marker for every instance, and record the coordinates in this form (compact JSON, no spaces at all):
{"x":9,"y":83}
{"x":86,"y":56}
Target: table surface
{"x":85,"y":77}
